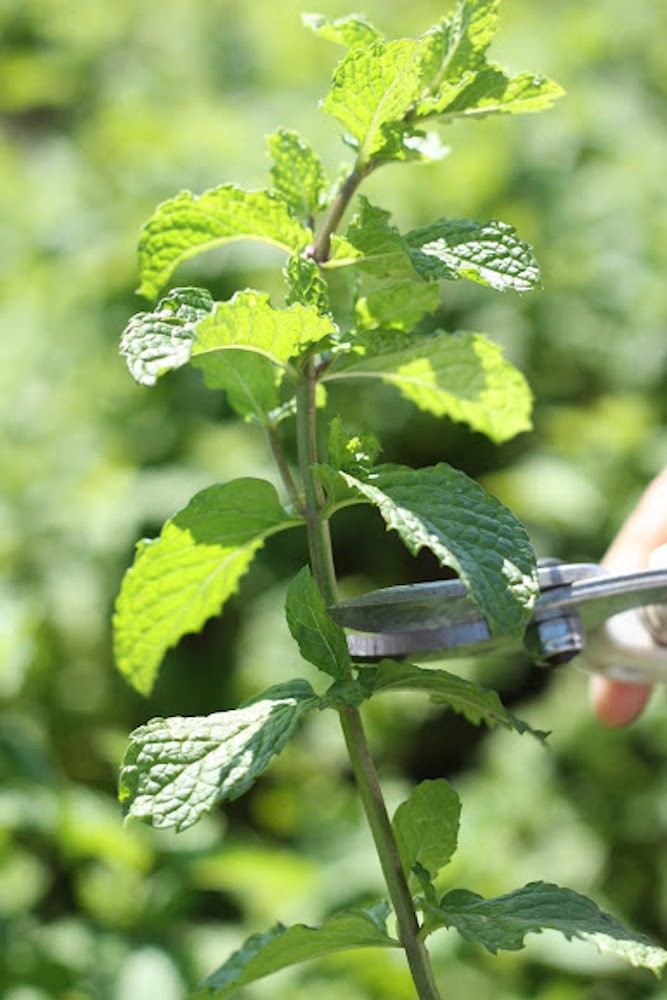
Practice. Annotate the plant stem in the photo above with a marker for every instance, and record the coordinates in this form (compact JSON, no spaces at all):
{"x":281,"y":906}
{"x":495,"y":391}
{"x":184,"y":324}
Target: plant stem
{"x":320,"y":248}
{"x":283,"y":468}
{"x":317,"y":527}
{"x":385,"y":844}
{"x":321,"y":557}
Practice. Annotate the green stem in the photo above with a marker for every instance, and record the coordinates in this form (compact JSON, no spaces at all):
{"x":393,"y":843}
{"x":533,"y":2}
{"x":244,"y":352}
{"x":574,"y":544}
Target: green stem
{"x":317,"y":527}
{"x":385,"y":844}
{"x":283,"y":469}
{"x":320,"y":248}
{"x":319,"y":542}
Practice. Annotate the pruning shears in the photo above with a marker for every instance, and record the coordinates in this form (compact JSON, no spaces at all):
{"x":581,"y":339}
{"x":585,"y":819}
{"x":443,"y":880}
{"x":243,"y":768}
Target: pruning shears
{"x":613,"y":624}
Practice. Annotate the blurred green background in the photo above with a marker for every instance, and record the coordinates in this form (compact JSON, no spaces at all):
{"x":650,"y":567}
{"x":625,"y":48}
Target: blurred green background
{"x":108,"y":108}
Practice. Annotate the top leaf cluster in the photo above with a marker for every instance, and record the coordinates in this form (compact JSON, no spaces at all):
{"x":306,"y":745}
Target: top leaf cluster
{"x":385,"y":91}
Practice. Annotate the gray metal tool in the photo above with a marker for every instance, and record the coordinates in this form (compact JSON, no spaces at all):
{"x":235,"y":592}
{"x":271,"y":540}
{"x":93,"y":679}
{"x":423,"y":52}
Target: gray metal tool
{"x":570,"y":616}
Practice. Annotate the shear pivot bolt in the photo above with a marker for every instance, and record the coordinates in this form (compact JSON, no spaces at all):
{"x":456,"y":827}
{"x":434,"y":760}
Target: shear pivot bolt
{"x":554,"y":641}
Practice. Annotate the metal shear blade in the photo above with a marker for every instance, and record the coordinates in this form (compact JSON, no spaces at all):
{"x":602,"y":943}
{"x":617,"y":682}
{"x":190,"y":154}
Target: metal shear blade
{"x":440,"y":617}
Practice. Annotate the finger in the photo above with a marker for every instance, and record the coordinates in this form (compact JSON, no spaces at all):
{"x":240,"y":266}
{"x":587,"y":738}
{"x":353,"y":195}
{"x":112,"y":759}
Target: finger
{"x":617,"y":704}
{"x":644,"y":530}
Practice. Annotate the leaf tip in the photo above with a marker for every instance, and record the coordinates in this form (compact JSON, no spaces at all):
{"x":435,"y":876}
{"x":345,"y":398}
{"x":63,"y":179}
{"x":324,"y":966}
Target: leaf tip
{"x":147,"y":291}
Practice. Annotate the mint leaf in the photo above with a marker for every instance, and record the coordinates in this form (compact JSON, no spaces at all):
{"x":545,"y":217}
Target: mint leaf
{"x":249,"y":321}
{"x":182,"y":578}
{"x":176,"y":769}
{"x":345,"y":692}
{"x":189,"y":224}
{"x":456,"y":48}
{"x":297,"y":174}
{"x":373,"y":89}
{"x":503,"y":922}
{"x":351,"y":31}
{"x":305,"y":284}
{"x":441,"y":509}
{"x":399,"y":306}
{"x":339,"y":493}
{"x":263,"y":954}
{"x":373,"y":244}
{"x":489,"y":253}
{"x":461,"y":376}
{"x":459,"y":80}
{"x":155,"y":342}
{"x":426,"y":826}
{"x":491,"y":92}
{"x":243,"y":346}
{"x":320,"y":640}
{"x":476,"y":703}
{"x":251,"y":382}
{"x":356,"y":454}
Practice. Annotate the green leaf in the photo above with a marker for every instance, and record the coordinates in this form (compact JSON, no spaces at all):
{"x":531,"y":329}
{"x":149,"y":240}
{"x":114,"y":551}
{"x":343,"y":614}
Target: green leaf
{"x":306,"y":284}
{"x":493,"y":92}
{"x":351,"y":31}
{"x":460,"y":81}
{"x":243,"y":346}
{"x":155,"y":342}
{"x":320,"y":640}
{"x":345,"y":692}
{"x":374,"y":245}
{"x":189,"y":224}
{"x":356,"y":454}
{"x":441,"y":509}
{"x":338,"y":492}
{"x":426,"y":826}
{"x":373,"y":89}
{"x":425,"y":900}
{"x":248,"y":321}
{"x":489,"y":253}
{"x":399,"y":306}
{"x":177,"y":769}
{"x":503,"y":922}
{"x":476,"y":703}
{"x":182,"y":578}
{"x":297,"y":174}
{"x":251,"y":381}
{"x":462,"y":376}
{"x":456,"y":48}
{"x":263,"y":954}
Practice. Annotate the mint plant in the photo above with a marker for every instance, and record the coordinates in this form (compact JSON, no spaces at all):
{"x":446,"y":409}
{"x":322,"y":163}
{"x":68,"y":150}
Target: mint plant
{"x":274,"y":363}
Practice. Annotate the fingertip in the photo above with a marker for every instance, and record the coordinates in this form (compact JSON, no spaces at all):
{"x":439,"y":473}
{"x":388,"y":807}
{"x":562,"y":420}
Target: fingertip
{"x":617,"y":704}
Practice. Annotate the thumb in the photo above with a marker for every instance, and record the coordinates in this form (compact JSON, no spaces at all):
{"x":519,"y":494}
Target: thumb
{"x":616,"y":703}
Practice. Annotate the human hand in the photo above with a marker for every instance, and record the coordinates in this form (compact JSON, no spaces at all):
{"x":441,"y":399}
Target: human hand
{"x":614,"y":702}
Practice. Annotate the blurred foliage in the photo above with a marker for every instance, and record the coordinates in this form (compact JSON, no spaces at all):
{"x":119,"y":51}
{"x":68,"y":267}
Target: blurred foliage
{"x":105,"y":109}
